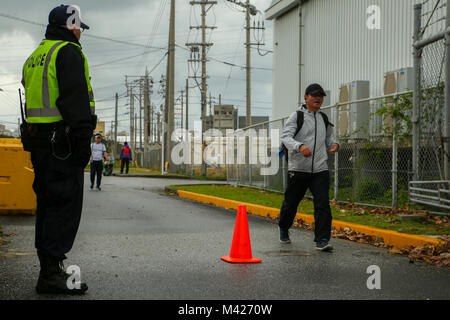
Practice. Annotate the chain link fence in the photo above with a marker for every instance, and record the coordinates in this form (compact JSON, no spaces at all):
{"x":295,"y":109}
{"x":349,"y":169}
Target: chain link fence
{"x":405,"y":141}
{"x":432,"y":72}
{"x":431,"y":170}
{"x":364,"y":170}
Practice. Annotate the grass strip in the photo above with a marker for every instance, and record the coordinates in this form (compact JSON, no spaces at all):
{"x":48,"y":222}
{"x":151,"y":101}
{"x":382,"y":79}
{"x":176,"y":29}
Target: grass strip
{"x":363,"y":216}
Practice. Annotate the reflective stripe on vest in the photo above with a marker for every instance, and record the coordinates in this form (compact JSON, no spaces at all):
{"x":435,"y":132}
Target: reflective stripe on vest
{"x":41,"y":97}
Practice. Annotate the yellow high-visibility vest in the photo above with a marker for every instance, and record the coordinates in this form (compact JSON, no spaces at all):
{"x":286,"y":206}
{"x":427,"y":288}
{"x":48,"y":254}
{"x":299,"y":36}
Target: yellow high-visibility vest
{"x":41,"y":82}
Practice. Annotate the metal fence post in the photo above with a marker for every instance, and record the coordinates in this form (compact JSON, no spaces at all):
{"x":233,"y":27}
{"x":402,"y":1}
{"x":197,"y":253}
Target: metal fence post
{"x":283,"y":163}
{"x":394,"y":160}
{"x":336,"y":156}
{"x":447,"y":98}
{"x":417,"y":92}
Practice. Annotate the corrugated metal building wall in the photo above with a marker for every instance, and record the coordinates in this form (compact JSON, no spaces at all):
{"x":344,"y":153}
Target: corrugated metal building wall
{"x":337,"y":47}
{"x":285,"y":64}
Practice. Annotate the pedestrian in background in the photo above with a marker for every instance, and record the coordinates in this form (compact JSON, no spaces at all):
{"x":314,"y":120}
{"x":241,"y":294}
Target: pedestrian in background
{"x":308,"y":136}
{"x":98,"y":151}
{"x":57,"y":132}
{"x":125,"y":157}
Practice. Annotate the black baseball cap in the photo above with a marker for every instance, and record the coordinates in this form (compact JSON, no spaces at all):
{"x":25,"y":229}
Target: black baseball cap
{"x":58,"y":16}
{"x":315,"y":89}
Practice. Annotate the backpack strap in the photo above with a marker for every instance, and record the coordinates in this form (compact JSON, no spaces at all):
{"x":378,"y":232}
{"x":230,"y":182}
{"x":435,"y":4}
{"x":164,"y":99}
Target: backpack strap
{"x":325,"y":119}
{"x":300,"y":120}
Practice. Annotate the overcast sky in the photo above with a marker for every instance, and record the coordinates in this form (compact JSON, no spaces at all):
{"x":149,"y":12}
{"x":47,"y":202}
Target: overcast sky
{"x":136,"y":22}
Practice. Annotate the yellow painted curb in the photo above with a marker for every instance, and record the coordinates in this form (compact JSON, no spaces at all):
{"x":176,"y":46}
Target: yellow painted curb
{"x":392,"y":238}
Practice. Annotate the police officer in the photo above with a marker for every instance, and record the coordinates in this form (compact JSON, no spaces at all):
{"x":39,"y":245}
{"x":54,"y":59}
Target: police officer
{"x":60,"y":123}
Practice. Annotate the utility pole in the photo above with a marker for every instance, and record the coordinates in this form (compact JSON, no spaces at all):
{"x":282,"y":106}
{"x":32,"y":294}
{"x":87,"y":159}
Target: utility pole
{"x":130,"y":86}
{"x":115,"y":126}
{"x":182,"y":106}
{"x":170,"y":92}
{"x":132,"y":141}
{"x":146,"y":116}
{"x":135,"y":125}
{"x":140,"y":114}
{"x":203,"y":45}
{"x":187,"y":105}
{"x":149,"y":81}
{"x":248,"y":121}
{"x":158,"y":127}
{"x":249,"y":10}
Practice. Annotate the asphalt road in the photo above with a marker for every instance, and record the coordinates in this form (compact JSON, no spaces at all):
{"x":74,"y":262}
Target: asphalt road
{"x":135,"y":242}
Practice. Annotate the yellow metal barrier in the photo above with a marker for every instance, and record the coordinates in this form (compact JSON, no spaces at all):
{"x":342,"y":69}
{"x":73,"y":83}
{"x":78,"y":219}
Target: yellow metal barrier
{"x":16,"y":179}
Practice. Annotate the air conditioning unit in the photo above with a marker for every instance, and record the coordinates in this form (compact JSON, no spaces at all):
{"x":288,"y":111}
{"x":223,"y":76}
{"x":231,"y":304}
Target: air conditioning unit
{"x":396,"y":82}
{"x":354,"y":117}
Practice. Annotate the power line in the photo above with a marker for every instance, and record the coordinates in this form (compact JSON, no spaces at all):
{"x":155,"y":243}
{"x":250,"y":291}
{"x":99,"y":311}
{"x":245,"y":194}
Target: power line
{"x":229,"y":63}
{"x":124,"y":58}
{"x":84,"y":34}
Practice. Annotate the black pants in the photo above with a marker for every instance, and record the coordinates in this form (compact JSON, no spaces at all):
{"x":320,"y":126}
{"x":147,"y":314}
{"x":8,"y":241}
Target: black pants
{"x":124,"y":161}
{"x":58,"y":185}
{"x":96,"y":169}
{"x":318,"y":184}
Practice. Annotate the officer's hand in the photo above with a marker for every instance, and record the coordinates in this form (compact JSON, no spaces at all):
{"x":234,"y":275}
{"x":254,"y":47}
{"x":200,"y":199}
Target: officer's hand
{"x":81,"y":150}
{"x":305,"y":151}
{"x":334,"y":148}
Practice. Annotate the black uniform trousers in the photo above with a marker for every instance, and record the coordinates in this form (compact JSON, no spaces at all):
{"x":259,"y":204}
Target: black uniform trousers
{"x":96,"y":170}
{"x":58,"y":185}
{"x":125,"y":161}
{"x":298,"y":184}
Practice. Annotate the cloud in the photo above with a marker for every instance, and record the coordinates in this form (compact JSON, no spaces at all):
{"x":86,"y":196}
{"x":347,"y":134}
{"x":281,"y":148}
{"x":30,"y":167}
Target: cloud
{"x":135,"y":21}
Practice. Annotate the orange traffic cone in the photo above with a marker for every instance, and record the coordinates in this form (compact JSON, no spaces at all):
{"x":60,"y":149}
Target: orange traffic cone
{"x":241,"y":249}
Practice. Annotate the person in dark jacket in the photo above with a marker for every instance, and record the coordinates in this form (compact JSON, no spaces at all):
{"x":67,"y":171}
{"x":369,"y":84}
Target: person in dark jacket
{"x":59,"y":109}
{"x":125,"y":157}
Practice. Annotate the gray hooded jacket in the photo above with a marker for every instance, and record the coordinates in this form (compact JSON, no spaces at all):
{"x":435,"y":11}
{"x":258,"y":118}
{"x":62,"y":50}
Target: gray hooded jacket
{"x":314,"y":135}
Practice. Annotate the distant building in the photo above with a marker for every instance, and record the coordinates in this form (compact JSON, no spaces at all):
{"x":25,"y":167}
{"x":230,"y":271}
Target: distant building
{"x":255,"y":120}
{"x":224,"y":117}
{"x":5,"y":132}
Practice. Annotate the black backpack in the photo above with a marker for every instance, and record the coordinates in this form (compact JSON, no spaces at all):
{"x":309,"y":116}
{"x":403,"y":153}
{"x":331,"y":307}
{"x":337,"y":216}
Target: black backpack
{"x":300,"y":120}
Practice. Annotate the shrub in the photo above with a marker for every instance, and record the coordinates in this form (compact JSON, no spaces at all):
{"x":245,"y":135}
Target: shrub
{"x":369,"y":188}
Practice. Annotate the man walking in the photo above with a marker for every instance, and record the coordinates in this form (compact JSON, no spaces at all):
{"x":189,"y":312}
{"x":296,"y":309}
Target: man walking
{"x":98,"y":151}
{"x":125,"y":157}
{"x":60,"y":121}
{"x":308,"y":137}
